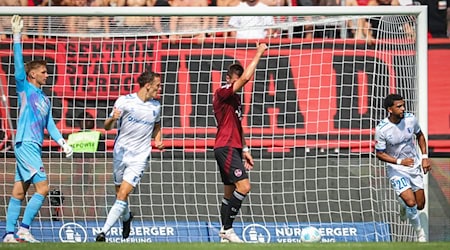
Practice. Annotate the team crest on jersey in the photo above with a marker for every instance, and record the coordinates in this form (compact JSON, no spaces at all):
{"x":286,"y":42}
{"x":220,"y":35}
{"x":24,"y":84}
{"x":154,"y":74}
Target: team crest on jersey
{"x":238,"y":173}
{"x":410,"y":130}
{"x":42,"y":169}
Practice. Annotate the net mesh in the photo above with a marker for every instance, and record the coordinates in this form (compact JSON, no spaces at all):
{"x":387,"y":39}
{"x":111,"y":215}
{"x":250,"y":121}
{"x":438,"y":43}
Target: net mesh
{"x":309,"y":118}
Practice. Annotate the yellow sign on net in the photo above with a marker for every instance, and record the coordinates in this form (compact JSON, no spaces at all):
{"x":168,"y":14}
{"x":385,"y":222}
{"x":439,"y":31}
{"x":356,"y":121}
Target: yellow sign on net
{"x":85,"y":141}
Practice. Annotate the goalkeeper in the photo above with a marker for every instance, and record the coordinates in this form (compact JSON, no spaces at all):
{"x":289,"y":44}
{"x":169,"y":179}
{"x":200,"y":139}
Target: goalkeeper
{"x":35,"y":116}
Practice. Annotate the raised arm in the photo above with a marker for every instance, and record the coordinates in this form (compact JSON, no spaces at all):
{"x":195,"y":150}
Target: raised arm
{"x":250,"y":70}
{"x":19,"y":67}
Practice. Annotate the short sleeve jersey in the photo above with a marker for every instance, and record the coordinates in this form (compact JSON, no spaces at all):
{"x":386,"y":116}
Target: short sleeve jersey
{"x":135,"y":126}
{"x":247,"y":22}
{"x":398,"y":140}
{"x":228,"y":114}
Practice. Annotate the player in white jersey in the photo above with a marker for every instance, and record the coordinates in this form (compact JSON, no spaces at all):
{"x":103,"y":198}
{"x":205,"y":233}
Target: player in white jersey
{"x":138,"y":120}
{"x":396,"y":137}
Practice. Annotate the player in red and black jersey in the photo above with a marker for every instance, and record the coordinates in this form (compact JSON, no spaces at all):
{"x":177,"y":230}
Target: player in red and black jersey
{"x":231,"y":152}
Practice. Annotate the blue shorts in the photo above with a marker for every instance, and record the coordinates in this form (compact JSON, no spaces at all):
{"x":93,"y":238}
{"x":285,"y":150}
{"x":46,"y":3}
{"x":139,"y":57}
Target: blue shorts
{"x":29,"y":165}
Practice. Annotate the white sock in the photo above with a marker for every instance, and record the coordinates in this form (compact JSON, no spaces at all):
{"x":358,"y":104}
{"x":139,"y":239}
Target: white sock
{"x":126,"y":213}
{"x":414,"y":219}
{"x":114,"y":214}
{"x":401,"y":201}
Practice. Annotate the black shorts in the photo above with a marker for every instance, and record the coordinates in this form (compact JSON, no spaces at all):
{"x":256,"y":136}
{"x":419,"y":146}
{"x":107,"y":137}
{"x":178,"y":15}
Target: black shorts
{"x":230,"y":164}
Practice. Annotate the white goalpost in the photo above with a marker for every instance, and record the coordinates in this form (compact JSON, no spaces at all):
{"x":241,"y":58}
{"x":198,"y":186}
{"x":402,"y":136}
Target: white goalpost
{"x":309,"y":116}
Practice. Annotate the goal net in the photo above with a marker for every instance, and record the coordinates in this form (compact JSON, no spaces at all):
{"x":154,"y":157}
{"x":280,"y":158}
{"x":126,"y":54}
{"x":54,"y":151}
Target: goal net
{"x":309,"y":116}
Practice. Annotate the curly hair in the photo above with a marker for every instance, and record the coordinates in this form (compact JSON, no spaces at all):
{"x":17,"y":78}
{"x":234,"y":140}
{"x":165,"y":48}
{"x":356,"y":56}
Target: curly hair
{"x":390,"y":99}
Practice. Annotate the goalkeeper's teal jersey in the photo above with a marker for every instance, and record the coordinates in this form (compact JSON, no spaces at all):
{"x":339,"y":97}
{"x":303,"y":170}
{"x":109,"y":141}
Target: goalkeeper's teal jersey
{"x":35,"y":108}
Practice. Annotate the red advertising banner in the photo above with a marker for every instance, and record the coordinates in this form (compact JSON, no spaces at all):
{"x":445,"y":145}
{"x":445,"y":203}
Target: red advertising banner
{"x":438,"y":95}
{"x":317,"y":95}
{"x":101,"y":69}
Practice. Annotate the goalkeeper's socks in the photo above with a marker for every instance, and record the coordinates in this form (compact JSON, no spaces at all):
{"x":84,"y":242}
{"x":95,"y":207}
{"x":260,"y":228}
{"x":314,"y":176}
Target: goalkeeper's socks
{"x":12,"y":215}
{"x":114,"y":214}
{"x":233,"y":209}
{"x":33,"y":206}
{"x":223,"y":210}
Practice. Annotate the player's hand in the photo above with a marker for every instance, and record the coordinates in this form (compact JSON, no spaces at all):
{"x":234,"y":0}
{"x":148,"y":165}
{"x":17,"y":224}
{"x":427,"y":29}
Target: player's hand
{"x":16,"y":24}
{"x":66,"y":147}
{"x":248,"y":160}
{"x":68,"y":150}
{"x":261,"y":47}
{"x":426,"y":165}
{"x":159,"y":145}
{"x":116,"y":114}
{"x":409,"y":162}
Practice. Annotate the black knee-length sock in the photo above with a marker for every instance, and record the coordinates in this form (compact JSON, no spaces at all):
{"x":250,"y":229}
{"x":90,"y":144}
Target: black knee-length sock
{"x":234,"y":205}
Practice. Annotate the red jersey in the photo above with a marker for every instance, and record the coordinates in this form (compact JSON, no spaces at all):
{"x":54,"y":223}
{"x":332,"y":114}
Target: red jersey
{"x":228,"y":114}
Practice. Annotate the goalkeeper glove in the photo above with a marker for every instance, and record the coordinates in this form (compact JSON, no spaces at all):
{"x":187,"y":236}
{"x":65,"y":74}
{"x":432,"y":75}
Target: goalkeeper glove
{"x":66,"y":148}
{"x":16,"y":24}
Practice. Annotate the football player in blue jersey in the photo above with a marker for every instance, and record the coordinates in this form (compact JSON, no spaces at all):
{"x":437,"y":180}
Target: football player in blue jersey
{"x":35,"y":116}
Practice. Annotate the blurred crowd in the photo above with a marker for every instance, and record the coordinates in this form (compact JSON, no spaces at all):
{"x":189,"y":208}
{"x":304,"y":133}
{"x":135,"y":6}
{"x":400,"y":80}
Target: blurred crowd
{"x":439,"y":16}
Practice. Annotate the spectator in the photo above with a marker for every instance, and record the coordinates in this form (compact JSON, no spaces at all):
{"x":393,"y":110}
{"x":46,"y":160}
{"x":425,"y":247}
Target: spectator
{"x":328,"y":2}
{"x":259,"y":22}
{"x":159,"y":21}
{"x":275,"y":2}
{"x":188,"y":24}
{"x":5,"y":21}
{"x":134,"y":21}
{"x":302,"y":3}
{"x":222,"y":20}
{"x":362,"y":29}
{"x":227,"y":3}
{"x":139,"y":21}
{"x":383,"y":2}
{"x":304,"y":31}
{"x":38,"y":21}
{"x":327,"y":29}
{"x":358,"y":28}
{"x":405,"y":2}
{"x":380,"y":32}
{"x":278,"y":19}
{"x":92,"y":24}
{"x":437,"y":16}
